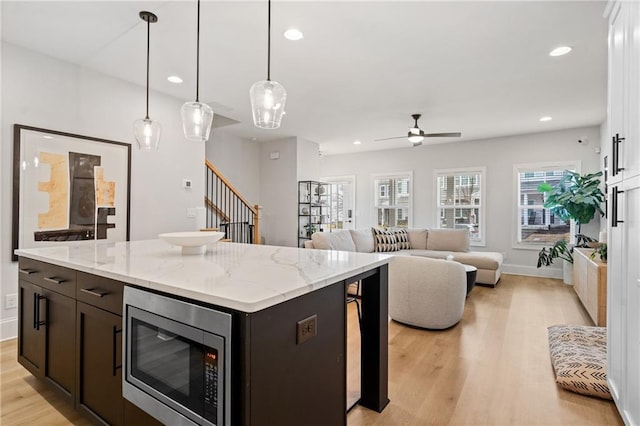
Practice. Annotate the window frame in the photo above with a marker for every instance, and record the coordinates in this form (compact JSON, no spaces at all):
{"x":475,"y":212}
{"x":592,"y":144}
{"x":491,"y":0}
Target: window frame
{"x":480,"y":170}
{"x":392,"y":175}
{"x":546,"y":167}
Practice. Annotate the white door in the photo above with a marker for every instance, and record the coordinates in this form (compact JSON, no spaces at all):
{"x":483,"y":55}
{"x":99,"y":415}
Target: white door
{"x":343,"y":201}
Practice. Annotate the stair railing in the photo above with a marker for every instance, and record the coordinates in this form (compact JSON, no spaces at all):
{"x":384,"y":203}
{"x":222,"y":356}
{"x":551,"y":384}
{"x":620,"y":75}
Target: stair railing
{"x":228,"y":210}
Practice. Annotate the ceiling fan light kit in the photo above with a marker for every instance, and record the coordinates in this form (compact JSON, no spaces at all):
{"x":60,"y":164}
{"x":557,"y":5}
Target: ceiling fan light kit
{"x":197,"y":117}
{"x":268,"y":97}
{"x":147,"y":131}
{"x":416,"y":135}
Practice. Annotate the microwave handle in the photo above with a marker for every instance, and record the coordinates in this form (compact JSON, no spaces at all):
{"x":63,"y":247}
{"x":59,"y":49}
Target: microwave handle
{"x":115,"y":366}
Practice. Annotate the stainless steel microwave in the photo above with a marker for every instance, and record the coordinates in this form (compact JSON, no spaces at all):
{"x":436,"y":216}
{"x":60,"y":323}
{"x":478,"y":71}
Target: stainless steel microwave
{"x":177,"y":359}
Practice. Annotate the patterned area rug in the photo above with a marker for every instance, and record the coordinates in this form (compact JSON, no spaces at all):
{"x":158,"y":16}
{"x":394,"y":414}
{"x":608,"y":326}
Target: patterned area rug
{"x":579,"y":358}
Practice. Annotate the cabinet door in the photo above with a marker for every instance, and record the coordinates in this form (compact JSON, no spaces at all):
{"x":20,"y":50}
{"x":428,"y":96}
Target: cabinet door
{"x":99,"y":378}
{"x":592,"y":292}
{"x":631,"y":392}
{"x":616,"y":297}
{"x":617,"y":94}
{"x":630,"y":148}
{"x":60,"y":341}
{"x":31,"y":336}
{"x":580,"y":276}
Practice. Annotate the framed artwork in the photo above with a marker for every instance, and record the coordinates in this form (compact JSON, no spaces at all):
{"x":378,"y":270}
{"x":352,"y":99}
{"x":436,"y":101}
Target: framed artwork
{"x":68,"y":187}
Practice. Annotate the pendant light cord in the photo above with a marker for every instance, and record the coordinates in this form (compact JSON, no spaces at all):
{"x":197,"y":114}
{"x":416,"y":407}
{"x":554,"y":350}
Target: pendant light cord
{"x":198,"y":56}
{"x":269,"y":43}
{"x":148,"y":47}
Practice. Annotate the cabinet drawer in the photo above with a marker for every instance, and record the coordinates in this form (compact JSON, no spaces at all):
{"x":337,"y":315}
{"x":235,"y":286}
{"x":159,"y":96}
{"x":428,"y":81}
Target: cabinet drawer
{"x":52,"y":277}
{"x":100,"y":292}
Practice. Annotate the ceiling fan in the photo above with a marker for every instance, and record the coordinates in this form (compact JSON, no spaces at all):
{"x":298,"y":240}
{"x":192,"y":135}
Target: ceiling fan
{"x":416,"y":134}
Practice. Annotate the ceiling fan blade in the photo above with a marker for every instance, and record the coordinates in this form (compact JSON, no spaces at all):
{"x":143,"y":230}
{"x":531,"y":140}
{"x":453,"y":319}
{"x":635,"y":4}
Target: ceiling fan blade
{"x":443,"y":135}
{"x":386,"y":139}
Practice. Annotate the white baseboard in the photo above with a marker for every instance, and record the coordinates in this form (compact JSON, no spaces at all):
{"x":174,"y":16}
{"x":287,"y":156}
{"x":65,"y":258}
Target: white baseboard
{"x":8,"y":329}
{"x":531,"y":271}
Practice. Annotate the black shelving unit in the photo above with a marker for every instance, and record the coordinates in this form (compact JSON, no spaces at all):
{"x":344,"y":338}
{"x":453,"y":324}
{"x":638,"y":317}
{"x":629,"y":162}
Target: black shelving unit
{"x":314,"y":209}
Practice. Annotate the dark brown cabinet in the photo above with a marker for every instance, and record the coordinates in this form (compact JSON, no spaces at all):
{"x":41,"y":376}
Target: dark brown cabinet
{"x":31,"y":339}
{"x":99,"y":349}
{"x":46,"y":343}
{"x":70,"y":335}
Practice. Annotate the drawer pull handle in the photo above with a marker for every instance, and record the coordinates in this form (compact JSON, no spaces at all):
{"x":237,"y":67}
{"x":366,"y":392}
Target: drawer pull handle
{"x":55,"y":280}
{"x":27,"y":271}
{"x":614,"y":208}
{"x":37,"y":322}
{"x":115,"y":367}
{"x":94,"y":292}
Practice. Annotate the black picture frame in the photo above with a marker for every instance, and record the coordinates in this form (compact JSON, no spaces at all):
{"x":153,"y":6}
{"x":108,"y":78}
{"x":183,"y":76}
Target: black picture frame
{"x":89,"y":194}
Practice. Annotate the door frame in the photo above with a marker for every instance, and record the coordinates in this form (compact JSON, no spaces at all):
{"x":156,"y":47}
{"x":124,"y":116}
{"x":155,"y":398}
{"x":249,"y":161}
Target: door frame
{"x":342,"y":179}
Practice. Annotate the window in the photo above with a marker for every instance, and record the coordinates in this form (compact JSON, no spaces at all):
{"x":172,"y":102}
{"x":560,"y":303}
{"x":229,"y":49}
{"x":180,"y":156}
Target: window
{"x":393,"y":200}
{"x":460,"y":202}
{"x":538,"y":226}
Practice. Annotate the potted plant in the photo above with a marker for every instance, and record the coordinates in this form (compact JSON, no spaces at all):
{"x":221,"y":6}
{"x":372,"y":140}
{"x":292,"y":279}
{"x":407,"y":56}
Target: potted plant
{"x":601,"y":250}
{"x":562,"y":250}
{"x":574,"y":197}
{"x":310,"y":228}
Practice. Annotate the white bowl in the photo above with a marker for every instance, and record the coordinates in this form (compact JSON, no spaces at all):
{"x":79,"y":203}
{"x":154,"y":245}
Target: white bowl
{"x":192,"y":242}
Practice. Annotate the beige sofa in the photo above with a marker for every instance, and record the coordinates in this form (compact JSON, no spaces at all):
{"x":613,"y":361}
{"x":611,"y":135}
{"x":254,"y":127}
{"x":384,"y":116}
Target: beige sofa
{"x":432,"y":243}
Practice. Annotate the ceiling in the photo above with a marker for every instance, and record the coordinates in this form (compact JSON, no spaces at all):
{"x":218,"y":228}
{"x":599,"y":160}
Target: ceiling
{"x":363,"y":67}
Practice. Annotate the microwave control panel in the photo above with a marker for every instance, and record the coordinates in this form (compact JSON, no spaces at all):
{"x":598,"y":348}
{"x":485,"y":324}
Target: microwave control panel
{"x":211,"y":385}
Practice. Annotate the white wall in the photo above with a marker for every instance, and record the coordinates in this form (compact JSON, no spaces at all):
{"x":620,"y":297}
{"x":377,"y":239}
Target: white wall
{"x":308,"y":160}
{"x":40,"y":91}
{"x":239,"y":161}
{"x":497,"y":155}
{"x":278,"y":192}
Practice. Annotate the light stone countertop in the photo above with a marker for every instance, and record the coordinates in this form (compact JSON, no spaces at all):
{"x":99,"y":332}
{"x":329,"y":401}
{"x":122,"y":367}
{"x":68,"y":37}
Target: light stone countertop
{"x":244,"y":277}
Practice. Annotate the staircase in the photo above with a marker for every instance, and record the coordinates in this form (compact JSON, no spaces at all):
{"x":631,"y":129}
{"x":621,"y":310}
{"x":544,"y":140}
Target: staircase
{"x":228,"y":210}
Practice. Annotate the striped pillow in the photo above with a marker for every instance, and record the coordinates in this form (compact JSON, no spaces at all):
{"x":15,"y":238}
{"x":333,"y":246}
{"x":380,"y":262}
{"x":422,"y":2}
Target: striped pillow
{"x":384,"y":240}
{"x":402,"y":238}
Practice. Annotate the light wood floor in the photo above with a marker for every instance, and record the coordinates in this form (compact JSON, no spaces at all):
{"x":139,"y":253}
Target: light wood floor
{"x":492,"y":368}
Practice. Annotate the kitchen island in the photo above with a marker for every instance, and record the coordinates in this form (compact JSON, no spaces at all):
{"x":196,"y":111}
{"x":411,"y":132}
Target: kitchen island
{"x":267,"y":290}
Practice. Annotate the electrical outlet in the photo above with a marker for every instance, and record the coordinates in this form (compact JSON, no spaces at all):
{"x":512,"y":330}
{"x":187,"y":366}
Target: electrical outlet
{"x":306,"y":329}
{"x":10,"y":301}
{"x":191,"y":212}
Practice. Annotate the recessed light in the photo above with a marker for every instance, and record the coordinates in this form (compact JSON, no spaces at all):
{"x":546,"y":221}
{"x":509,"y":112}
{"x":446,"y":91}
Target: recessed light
{"x":357,"y":142}
{"x":48,"y":137}
{"x":174,"y":79}
{"x":546,"y":118}
{"x":559,"y":51}
{"x":293,"y":34}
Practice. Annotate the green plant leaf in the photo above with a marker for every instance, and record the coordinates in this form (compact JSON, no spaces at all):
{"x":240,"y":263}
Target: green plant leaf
{"x":545,"y":187}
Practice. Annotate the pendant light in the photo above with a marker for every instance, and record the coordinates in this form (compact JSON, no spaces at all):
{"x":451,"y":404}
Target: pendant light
{"x":267,"y":97}
{"x":147,"y":131}
{"x":196,"y":116}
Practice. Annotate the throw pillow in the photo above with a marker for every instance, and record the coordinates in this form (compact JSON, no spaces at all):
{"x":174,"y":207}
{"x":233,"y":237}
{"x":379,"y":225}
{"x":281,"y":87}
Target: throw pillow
{"x":337,"y":240}
{"x":448,"y":240}
{"x":384,"y":240}
{"x":402,"y":238}
{"x":363,"y":240}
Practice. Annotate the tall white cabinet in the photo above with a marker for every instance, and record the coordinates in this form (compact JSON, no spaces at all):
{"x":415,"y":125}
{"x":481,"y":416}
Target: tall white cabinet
{"x":623,"y":152}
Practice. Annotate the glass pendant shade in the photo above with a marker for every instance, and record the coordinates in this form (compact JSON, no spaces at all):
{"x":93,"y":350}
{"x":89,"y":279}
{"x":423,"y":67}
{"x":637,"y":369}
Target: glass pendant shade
{"x":196,"y":121}
{"x":145,"y":130}
{"x":268,"y":99}
{"x":147,"y":134}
